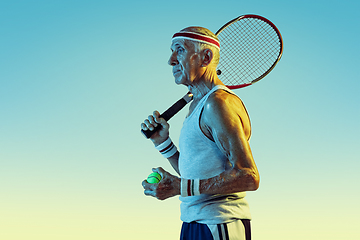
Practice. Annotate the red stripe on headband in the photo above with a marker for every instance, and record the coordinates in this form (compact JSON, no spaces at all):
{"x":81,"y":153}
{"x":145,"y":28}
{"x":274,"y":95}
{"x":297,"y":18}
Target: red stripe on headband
{"x":198,"y":37}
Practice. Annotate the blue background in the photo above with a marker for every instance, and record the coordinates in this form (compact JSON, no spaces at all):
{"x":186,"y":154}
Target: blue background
{"x":78,"y":77}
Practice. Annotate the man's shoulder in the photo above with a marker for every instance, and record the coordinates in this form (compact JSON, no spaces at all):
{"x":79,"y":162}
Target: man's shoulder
{"x":222,"y":99}
{"x":225,"y":104}
{"x":226,"y":109}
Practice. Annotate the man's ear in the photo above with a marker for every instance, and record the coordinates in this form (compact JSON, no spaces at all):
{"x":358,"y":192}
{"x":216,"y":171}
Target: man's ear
{"x":207,"y":57}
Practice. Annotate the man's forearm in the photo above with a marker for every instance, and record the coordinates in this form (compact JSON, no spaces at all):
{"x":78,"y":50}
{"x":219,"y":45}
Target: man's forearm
{"x":231,"y":181}
{"x":174,"y":161}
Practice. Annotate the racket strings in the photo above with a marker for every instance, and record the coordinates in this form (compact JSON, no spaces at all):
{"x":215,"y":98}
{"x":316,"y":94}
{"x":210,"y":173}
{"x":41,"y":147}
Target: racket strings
{"x":251,"y":41}
{"x":250,"y":45}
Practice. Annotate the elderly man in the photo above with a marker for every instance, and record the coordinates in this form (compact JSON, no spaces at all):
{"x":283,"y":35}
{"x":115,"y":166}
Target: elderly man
{"x":215,"y":163}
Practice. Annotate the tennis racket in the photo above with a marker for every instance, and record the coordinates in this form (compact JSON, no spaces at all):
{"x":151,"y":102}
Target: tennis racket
{"x":251,"y":46}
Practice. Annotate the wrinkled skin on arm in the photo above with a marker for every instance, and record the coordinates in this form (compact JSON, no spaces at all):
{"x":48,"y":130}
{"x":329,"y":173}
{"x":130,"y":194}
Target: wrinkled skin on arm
{"x":225,"y":121}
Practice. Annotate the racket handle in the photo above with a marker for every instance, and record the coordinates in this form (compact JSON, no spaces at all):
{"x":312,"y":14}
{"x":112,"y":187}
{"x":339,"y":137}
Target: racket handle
{"x":169,"y":113}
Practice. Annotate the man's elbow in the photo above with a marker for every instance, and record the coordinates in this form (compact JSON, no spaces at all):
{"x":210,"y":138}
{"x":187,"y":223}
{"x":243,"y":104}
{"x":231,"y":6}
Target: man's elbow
{"x":254,"y":181}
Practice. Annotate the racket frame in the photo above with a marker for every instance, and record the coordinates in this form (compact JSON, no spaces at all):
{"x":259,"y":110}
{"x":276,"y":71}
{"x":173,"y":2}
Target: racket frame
{"x":275,"y":62}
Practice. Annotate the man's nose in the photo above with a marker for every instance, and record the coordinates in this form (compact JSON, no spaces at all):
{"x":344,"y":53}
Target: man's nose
{"x":173,"y":60}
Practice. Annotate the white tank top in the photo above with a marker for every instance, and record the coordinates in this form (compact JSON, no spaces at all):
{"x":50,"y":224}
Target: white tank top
{"x":200,"y":158}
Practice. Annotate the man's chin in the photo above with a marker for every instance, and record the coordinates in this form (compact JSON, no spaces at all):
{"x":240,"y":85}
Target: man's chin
{"x":178,"y":81}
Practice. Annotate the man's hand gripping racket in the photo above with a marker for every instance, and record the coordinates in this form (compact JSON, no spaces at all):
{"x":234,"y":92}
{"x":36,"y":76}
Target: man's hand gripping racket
{"x":251,"y":46}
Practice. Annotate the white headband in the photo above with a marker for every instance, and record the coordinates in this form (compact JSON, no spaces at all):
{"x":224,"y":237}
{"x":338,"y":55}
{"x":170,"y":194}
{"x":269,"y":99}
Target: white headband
{"x":197,"y":37}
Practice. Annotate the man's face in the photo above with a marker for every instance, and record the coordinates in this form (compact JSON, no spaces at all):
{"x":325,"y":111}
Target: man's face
{"x":185,"y":61}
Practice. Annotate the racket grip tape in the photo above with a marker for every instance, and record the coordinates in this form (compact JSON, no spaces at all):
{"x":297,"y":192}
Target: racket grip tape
{"x":169,"y":113}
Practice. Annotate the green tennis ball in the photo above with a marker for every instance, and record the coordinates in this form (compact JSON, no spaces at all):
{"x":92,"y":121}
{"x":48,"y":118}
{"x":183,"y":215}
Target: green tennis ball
{"x":153,"y":178}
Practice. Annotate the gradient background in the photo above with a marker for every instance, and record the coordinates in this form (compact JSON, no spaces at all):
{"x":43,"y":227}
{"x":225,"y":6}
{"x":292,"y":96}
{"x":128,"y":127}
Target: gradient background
{"x":78,"y":77}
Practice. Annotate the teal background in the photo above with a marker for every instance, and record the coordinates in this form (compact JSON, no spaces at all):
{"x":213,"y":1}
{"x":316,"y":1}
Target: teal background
{"x":78,"y":77}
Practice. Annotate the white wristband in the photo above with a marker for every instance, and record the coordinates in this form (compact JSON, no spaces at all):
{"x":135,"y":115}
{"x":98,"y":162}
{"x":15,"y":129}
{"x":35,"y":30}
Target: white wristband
{"x":167,"y":148}
{"x":190,"y":187}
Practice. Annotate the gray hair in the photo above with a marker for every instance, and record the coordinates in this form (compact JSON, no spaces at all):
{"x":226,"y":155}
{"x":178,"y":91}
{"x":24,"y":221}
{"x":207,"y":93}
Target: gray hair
{"x":199,"y":46}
